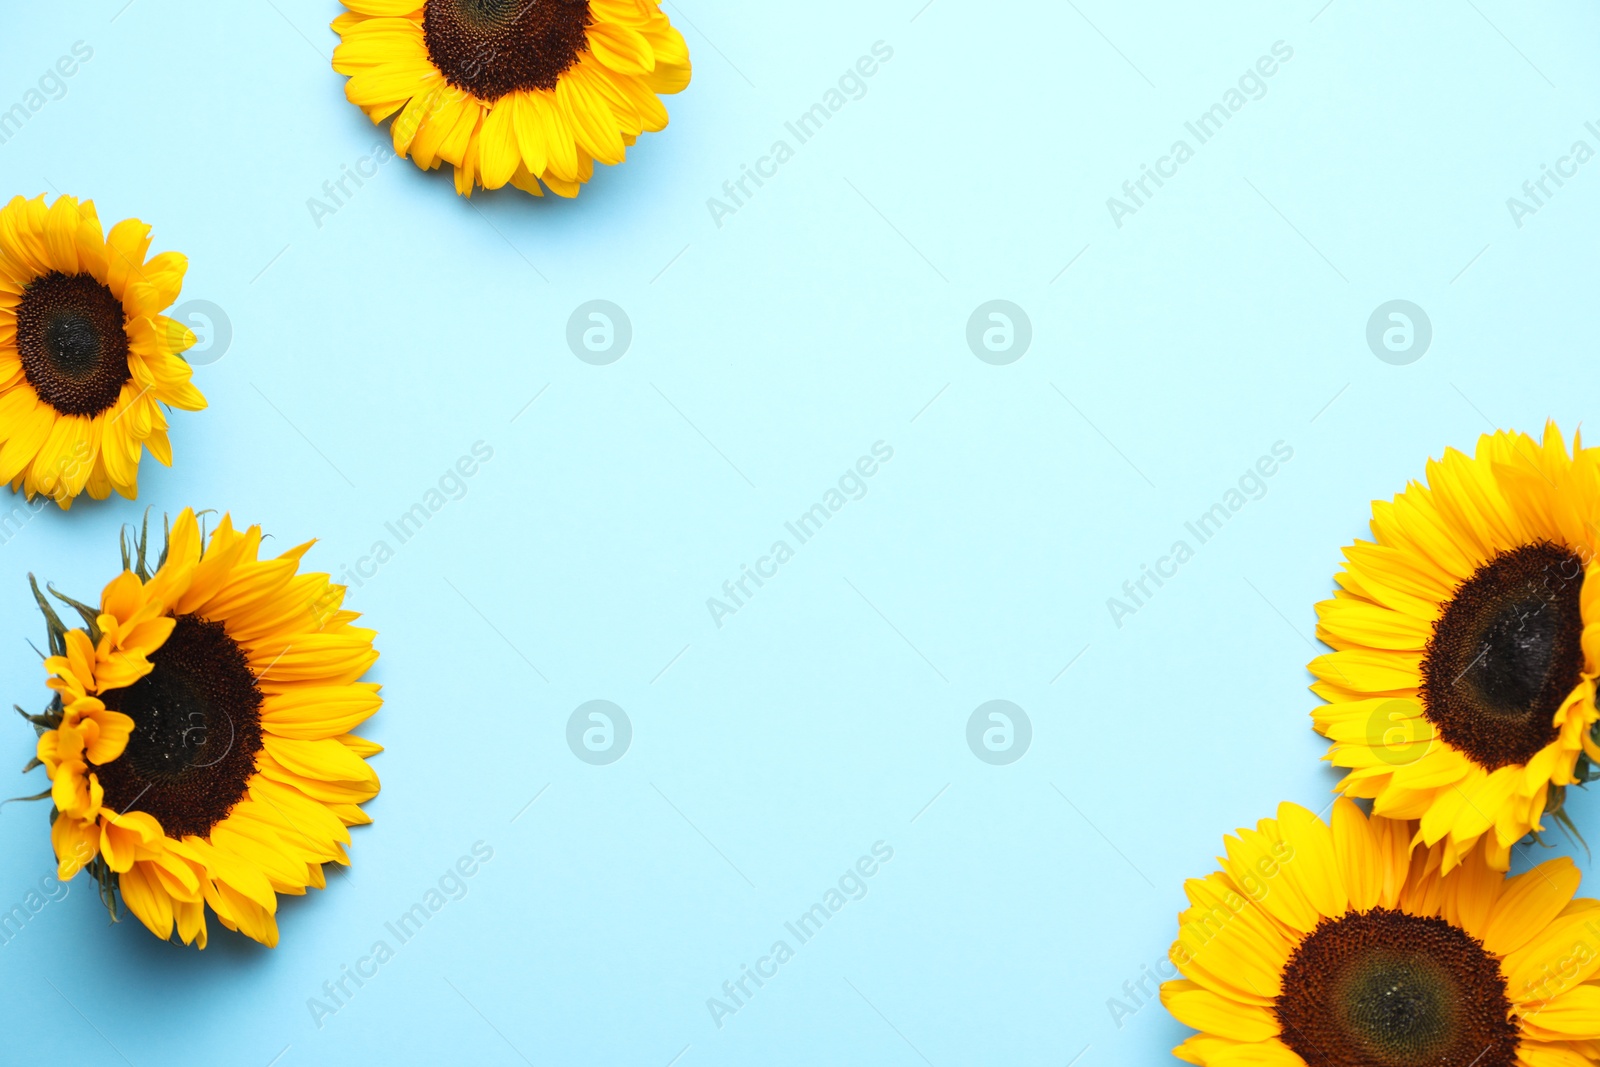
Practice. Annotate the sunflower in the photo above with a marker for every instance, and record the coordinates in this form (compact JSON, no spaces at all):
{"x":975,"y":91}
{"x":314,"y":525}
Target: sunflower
{"x":198,"y":745}
{"x":1467,"y":638}
{"x":1348,"y":945}
{"x":86,"y":357}
{"x":518,"y":91}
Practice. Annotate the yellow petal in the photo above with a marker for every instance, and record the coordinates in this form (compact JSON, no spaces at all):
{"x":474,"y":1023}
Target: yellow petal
{"x":1556,"y":959}
{"x":61,"y":234}
{"x":147,"y":900}
{"x":1528,"y":903}
{"x":76,"y":842}
{"x":1574,"y":1015}
{"x":1204,"y":1010}
{"x":498,"y":154}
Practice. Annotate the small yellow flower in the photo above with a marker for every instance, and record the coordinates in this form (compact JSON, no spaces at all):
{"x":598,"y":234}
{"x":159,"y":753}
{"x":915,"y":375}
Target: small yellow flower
{"x":508,"y":91}
{"x":87,"y":359}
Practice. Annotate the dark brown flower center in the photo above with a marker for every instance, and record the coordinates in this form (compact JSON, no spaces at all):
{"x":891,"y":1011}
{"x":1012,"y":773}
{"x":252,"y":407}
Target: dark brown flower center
{"x":196,"y":732}
{"x":1386,"y":989}
{"x":492,"y":47}
{"x":1505,"y":652}
{"x":73,"y":345}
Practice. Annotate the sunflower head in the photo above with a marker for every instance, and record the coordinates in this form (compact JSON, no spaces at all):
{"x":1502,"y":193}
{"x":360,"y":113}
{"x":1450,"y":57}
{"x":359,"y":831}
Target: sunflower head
{"x":1466,"y":637}
{"x":1348,"y":946}
{"x":87,"y":359}
{"x":198,"y":743}
{"x":529,"y":93}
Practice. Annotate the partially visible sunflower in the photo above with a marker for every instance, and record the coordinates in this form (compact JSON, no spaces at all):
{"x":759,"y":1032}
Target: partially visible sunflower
{"x":199,"y":745}
{"x":86,"y":356}
{"x":1347,"y":946}
{"x":512,"y":91}
{"x":1467,"y":637}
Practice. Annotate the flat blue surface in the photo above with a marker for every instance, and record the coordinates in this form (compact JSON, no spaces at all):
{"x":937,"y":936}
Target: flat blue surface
{"x":826,"y":314}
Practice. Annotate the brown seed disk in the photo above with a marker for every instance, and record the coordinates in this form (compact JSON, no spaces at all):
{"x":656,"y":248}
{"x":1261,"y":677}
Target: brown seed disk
{"x":1505,"y":652}
{"x":73,"y":343}
{"x":493,"y":47}
{"x":1386,"y":989}
{"x":196,"y":732}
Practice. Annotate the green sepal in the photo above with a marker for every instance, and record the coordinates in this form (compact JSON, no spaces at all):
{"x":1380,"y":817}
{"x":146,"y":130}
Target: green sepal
{"x":45,"y":795}
{"x":50,"y":720}
{"x":53,"y":624}
{"x":107,"y":880}
{"x":166,"y":540}
{"x":91,"y":617}
{"x":1555,"y":808}
{"x":135,"y":550}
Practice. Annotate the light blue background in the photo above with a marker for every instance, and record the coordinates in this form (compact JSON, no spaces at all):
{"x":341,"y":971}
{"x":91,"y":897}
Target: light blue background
{"x":768,"y":354}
